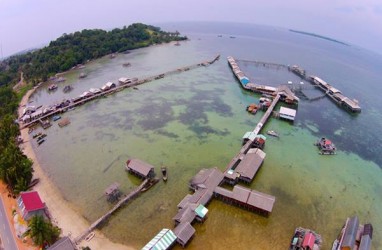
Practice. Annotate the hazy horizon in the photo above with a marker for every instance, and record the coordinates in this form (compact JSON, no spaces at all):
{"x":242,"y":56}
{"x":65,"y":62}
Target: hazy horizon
{"x":25,"y":24}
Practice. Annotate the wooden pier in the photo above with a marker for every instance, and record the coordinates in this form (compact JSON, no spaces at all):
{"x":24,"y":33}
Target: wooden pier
{"x":119,"y":88}
{"x":125,"y":199}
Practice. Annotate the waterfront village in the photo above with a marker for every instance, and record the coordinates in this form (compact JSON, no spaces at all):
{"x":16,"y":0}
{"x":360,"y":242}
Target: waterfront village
{"x":207,"y":184}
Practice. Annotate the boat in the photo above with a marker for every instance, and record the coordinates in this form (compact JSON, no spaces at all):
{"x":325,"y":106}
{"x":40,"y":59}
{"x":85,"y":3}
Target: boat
{"x":305,"y":239}
{"x":272,"y":133}
{"x":126,"y":64}
{"x":252,"y":108}
{"x":325,"y":146}
{"x":232,"y":37}
{"x":56,"y":117}
{"x":37,"y":135}
{"x":164,"y":173}
{"x":220,"y":35}
{"x":149,"y":184}
{"x":41,"y":137}
{"x":40,"y":142}
{"x":83,"y":75}
{"x":177,"y":43}
{"x":64,"y":122}
{"x":67,"y":88}
{"x":52,"y":87}
{"x":90,"y":236}
{"x":136,"y":88}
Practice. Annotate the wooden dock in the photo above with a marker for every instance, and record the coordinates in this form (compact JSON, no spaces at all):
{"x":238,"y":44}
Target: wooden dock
{"x":120,"y":88}
{"x":125,"y":199}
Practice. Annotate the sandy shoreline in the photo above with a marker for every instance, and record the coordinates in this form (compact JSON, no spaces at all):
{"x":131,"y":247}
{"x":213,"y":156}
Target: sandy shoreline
{"x":63,"y":214}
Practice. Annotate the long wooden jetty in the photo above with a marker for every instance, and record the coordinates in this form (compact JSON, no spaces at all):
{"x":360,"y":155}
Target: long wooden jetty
{"x":127,"y":198}
{"x":75,"y":103}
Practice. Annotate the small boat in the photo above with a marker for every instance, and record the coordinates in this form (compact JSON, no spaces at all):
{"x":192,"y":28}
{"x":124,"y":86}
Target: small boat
{"x":136,"y":88}
{"x":177,"y":43}
{"x":90,"y":236}
{"x":151,"y":183}
{"x":67,"y":88}
{"x":220,"y":35}
{"x":325,"y":146}
{"x":126,"y":64}
{"x":37,"y":135}
{"x":304,"y":239}
{"x":40,"y":142}
{"x":164,"y":173}
{"x":52,"y":87}
{"x":272,"y":133}
{"x":232,"y":37}
{"x":41,"y":137}
{"x":56,"y":117}
{"x":83,"y":75}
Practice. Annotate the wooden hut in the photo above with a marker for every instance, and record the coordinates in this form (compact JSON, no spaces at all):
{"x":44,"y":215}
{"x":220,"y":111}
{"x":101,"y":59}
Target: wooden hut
{"x":140,"y":168}
{"x":112,"y":192}
{"x":184,"y":232}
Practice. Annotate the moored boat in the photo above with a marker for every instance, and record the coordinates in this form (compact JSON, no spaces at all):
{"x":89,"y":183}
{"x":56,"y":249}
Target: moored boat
{"x":40,"y":142}
{"x":56,"y":117}
{"x":164,"y":173}
{"x":67,"y":88}
{"x":272,"y":133}
{"x":325,"y":146}
{"x":52,"y":87}
{"x":305,"y":239}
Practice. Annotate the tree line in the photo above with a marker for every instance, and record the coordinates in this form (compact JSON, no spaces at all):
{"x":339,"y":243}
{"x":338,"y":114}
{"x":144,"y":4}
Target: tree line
{"x":70,"y":50}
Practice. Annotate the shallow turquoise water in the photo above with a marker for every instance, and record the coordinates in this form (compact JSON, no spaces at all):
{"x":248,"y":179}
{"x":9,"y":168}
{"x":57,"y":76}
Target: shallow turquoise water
{"x":196,"y":120}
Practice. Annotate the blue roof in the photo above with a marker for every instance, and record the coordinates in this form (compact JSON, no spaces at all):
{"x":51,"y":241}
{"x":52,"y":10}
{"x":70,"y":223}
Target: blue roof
{"x":244,"y":80}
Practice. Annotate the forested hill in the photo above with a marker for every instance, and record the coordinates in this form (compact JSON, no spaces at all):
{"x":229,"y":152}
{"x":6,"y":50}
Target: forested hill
{"x":76,"y":48}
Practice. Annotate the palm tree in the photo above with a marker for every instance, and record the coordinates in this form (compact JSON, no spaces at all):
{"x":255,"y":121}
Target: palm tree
{"x":42,"y":231}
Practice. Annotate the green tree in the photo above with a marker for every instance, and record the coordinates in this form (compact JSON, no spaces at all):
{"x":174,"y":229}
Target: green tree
{"x":42,"y":231}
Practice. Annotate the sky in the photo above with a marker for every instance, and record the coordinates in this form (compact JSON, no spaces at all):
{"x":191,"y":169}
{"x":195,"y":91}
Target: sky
{"x":28,"y":24}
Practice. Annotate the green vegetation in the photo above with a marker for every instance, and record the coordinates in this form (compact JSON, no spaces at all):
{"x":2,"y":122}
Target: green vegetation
{"x":72,"y":49}
{"x":42,"y":231}
{"x":60,"y":55}
{"x":15,"y":168}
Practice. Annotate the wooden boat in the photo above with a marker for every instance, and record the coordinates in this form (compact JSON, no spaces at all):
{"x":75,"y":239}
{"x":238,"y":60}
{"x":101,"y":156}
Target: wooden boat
{"x":37,"y":135}
{"x":149,"y":184}
{"x":42,"y":136}
{"x":52,"y":87}
{"x":56,"y":117}
{"x":64,"y":122}
{"x":40,"y":142}
{"x":272,"y":133}
{"x":164,"y":173}
{"x":67,"y":88}
{"x":90,"y":236}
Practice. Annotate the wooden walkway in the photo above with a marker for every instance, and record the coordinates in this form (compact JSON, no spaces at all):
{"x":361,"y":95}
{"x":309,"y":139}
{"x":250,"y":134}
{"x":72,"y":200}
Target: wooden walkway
{"x":256,"y":131}
{"x":127,"y":198}
{"x":120,"y":88}
{"x":265,"y":64}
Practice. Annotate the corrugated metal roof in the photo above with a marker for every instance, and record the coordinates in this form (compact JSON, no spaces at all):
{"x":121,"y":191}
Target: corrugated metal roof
{"x":350,"y":232}
{"x":241,"y":193}
{"x":201,"y":211}
{"x":139,"y":166}
{"x":260,"y":200}
{"x":162,"y":241}
{"x":251,"y":163}
{"x":184,"y":232}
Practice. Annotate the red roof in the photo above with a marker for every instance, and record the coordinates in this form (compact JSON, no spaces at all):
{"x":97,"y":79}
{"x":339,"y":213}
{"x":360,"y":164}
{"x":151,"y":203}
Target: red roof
{"x":327,"y":142}
{"x":32,"y":201}
{"x":309,"y":240}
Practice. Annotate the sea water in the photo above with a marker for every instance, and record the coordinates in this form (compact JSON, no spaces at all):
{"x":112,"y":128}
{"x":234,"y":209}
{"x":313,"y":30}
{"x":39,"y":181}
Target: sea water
{"x":196,"y":120}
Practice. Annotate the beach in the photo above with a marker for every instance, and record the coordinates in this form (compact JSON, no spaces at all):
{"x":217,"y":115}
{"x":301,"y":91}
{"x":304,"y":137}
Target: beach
{"x":63,"y":215}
